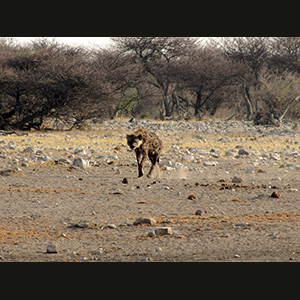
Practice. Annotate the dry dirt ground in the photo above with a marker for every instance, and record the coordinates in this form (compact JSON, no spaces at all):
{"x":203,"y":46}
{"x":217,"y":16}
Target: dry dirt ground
{"x":88,"y":213}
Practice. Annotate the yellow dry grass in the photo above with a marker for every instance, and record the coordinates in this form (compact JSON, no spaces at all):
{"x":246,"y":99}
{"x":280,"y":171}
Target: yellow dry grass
{"x":15,"y":230}
{"x":251,"y":218}
{"x":106,"y":138}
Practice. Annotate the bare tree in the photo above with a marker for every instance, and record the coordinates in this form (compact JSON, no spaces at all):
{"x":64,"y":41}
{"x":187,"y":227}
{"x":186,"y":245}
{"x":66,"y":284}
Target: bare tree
{"x":285,"y":54}
{"x":46,"y":79}
{"x":278,"y":93}
{"x":156,"y":55}
{"x":253,"y":53}
{"x":123,"y":77}
{"x":207,"y":76}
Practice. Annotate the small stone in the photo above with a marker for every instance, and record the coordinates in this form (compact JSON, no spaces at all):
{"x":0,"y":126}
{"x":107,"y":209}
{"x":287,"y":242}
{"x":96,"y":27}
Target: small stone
{"x":147,"y":259}
{"x":80,"y":151}
{"x":125,"y":180}
{"x":237,"y":179}
{"x":148,"y":221}
{"x":112,"y":226}
{"x":81,"y":163}
{"x":51,"y":248}
{"x":275,"y":195}
{"x":243,"y":152}
{"x":192,"y":197}
{"x":127,"y":223}
{"x":210,"y":163}
{"x":198,"y":212}
{"x":29,"y":150}
{"x":64,"y":161}
{"x":275,"y":156}
{"x":160,"y":231}
{"x":241,"y":225}
{"x":176,"y":234}
{"x":81,"y":224}
{"x":231,"y":153}
{"x":187,"y":158}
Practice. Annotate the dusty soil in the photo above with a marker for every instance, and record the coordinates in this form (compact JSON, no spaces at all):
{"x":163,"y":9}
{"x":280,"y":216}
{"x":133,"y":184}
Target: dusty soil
{"x":88,"y":213}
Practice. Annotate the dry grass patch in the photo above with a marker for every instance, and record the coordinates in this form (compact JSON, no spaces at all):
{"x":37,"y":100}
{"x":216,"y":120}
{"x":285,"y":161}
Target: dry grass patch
{"x":13,"y":231}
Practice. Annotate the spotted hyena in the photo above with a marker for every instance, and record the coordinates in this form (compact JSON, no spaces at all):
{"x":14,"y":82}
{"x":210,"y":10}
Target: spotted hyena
{"x":145,"y":144}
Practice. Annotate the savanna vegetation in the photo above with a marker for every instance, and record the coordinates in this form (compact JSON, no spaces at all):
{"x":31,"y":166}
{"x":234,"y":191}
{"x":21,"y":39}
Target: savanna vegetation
{"x":251,"y":78}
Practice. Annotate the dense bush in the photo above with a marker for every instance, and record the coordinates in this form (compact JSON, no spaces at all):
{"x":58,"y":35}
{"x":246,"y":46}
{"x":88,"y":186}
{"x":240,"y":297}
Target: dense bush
{"x":161,"y":77}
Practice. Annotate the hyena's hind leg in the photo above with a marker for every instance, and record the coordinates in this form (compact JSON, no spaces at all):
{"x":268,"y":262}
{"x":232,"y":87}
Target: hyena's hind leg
{"x":154,"y":160}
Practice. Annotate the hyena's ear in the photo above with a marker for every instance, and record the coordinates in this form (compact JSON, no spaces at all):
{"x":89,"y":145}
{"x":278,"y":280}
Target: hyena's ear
{"x":140,"y":137}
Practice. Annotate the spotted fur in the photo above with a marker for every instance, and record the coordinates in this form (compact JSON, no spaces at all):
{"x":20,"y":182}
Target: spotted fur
{"x":146,"y":145}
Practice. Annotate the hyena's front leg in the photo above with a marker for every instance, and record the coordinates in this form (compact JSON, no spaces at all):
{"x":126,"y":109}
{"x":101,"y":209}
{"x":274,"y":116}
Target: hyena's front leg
{"x":140,"y":161}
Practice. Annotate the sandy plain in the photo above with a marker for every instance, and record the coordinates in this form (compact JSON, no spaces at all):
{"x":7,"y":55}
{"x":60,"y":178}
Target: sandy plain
{"x":227,"y":172}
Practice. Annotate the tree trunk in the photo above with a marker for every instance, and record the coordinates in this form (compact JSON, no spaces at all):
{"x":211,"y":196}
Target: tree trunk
{"x":247,"y":98}
{"x":288,"y":107}
{"x":198,"y":104}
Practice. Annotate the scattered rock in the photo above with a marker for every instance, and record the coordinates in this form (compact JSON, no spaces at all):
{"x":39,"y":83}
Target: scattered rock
{"x":275,"y":195}
{"x":241,"y":225}
{"x":198,"y":212}
{"x":80,"y":151}
{"x":275,"y":156}
{"x":192,"y":197}
{"x":81,"y":224}
{"x":237,"y":179}
{"x":125,"y":180}
{"x":147,"y":259}
{"x":29,"y":150}
{"x":111,"y":226}
{"x":179,"y":166}
{"x":157,"y":231}
{"x":188,"y":158}
{"x":80,"y":163}
{"x":127,"y":223}
{"x":292,"y":153}
{"x":7,"y":172}
{"x":147,"y":221}
{"x":210,"y":163}
{"x":63,"y":161}
{"x":296,"y":166}
{"x":176,"y":234}
{"x":51,"y":248}
{"x":231,"y":153}
{"x":165,"y":187}
{"x":243,"y":152}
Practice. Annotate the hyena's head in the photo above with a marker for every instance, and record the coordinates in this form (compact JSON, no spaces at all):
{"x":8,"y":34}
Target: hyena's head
{"x":134,"y":141}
